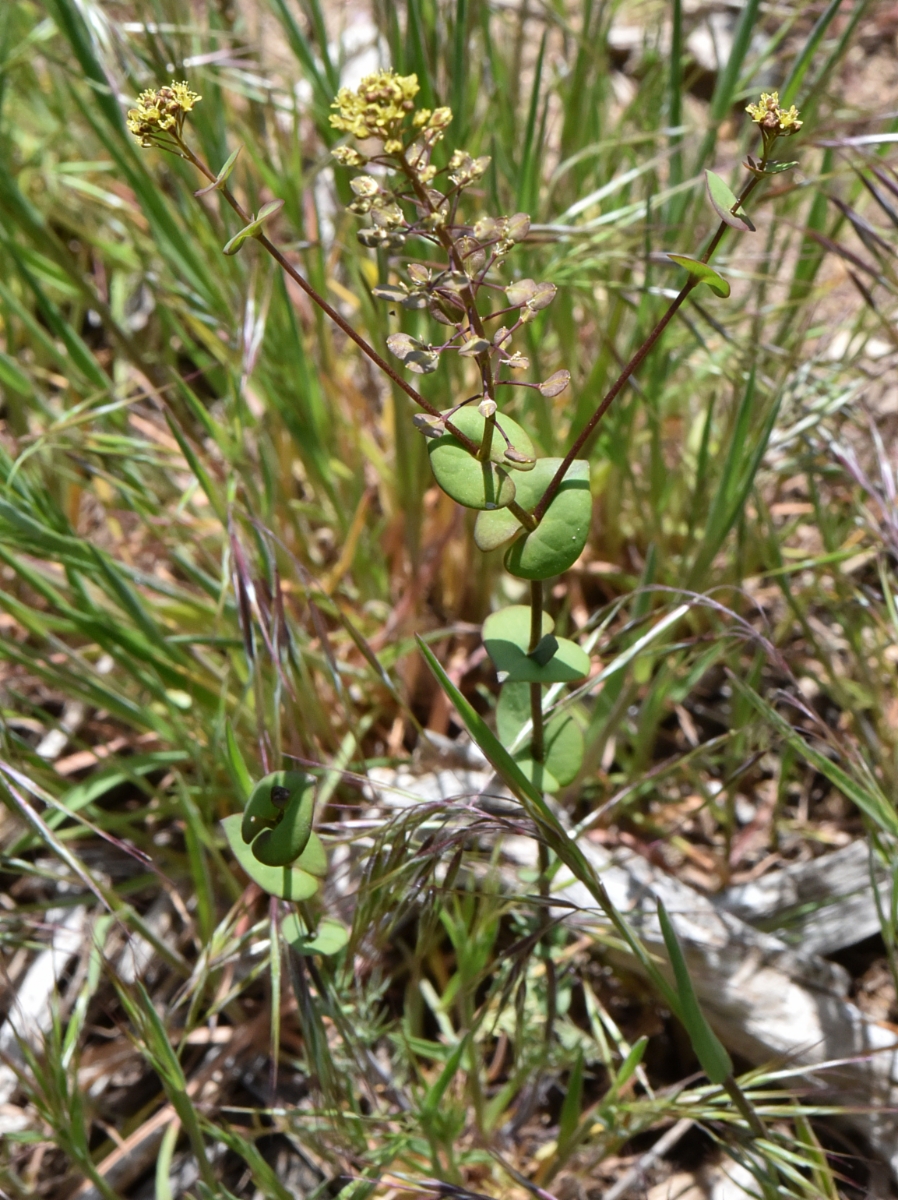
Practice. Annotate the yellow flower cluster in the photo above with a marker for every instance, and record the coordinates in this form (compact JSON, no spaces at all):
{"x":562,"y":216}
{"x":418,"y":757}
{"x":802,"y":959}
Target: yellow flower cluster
{"x":379,"y":107}
{"x":774,"y":121}
{"x":161,"y":112}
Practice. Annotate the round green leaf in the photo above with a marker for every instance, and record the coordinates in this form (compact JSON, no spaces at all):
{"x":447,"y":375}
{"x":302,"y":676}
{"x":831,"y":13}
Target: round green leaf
{"x":703,"y":273}
{"x":472,"y":483}
{"x":558,"y":540}
{"x":329,"y":938}
{"x":726,"y":205}
{"x":314,"y":858}
{"x":277,"y":819}
{"x":506,"y":635}
{"x":562,"y":740}
{"x":511,"y":627}
{"x":471,"y":421}
{"x":290,"y":883}
{"x":537,"y":772}
{"x":494,"y":528}
{"x":463,"y":477}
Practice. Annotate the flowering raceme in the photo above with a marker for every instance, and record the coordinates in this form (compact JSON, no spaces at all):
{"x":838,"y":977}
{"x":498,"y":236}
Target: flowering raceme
{"x":379,"y":108}
{"x":774,"y":121}
{"x":160,"y":114}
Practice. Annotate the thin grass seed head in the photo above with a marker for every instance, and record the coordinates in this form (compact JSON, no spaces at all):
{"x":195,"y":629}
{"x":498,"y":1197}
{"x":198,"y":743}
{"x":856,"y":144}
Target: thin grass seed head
{"x":160,"y":113}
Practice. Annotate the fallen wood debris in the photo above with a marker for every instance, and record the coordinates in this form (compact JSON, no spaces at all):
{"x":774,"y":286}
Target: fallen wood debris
{"x":767,"y":1000}
{"x":823,"y":905}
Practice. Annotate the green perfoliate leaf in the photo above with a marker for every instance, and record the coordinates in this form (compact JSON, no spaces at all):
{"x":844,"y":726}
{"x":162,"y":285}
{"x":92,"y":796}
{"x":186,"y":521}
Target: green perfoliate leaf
{"x":254,"y":227}
{"x":512,"y":625}
{"x":703,"y":273}
{"x":329,"y":938}
{"x":313,"y":859}
{"x":290,"y":883}
{"x":562,"y":739}
{"x":497,"y":527}
{"x":472,"y":483}
{"x":506,"y":635}
{"x":222,"y":176}
{"x":277,"y":820}
{"x":726,"y":205}
{"x":709,"y":1050}
{"x":475,"y":484}
{"x":558,"y":540}
{"x":471,"y":422}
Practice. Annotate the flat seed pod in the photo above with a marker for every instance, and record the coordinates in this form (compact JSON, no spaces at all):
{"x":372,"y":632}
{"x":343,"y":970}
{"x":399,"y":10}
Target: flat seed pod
{"x":329,"y":938}
{"x":395,"y":293}
{"x":518,"y":227}
{"x":521,"y":292}
{"x":555,"y":384}
{"x":290,"y":883}
{"x":506,"y":635}
{"x":558,"y":540}
{"x":463,"y":477}
{"x":277,"y":820}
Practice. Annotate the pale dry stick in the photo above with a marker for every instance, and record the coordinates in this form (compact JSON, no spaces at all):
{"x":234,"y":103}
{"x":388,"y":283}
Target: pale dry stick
{"x":636,"y":1174}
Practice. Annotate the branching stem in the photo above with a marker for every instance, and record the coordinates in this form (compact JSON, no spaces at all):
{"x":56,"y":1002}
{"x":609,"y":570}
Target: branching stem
{"x":634,"y":364}
{"x":326,"y":308}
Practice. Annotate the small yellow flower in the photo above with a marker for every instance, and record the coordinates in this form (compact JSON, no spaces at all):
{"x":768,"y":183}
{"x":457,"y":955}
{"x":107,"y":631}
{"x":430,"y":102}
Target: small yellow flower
{"x":440,"y":118}
{"x":160,"y":113}
{"x":774,"y":121}
{"x":377,"y":108}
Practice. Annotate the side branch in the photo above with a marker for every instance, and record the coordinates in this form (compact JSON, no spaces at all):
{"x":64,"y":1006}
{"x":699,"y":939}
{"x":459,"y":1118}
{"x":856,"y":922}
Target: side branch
{"x":635,"y":362}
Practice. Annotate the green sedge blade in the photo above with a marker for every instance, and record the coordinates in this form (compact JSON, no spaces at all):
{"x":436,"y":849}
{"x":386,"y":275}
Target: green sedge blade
{"x":709,"y":1050}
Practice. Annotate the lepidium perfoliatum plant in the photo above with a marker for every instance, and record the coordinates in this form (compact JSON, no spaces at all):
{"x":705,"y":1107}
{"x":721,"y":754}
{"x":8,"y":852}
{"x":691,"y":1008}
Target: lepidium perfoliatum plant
{"x":456,"y":270}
